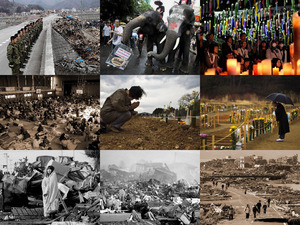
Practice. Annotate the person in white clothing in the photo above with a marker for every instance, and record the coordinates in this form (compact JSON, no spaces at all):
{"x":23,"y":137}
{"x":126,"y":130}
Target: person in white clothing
{"x":106,"y":32}
{"x":273,"y":52}
{"x":50,"y":192}
{"x":117,"y":34}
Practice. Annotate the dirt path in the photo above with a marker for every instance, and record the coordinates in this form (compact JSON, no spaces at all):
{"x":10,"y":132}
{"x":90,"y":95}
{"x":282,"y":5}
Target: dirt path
{"x":152,"y":134}
{"x":268,"y":141}
{"x":239,"y":201}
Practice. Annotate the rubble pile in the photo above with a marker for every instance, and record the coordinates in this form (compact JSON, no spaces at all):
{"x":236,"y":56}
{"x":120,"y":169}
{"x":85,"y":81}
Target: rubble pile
{"x":79,"y":187}
{"x":210,"y":214}
{"x":87,"y":46}
{"x":132,"y":199}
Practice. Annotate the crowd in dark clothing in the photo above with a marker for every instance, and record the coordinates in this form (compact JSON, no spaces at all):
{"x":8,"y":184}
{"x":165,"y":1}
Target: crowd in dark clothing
{"x":257,"y":208}
{"x":68,"y":110}
{"x":215,"y":55}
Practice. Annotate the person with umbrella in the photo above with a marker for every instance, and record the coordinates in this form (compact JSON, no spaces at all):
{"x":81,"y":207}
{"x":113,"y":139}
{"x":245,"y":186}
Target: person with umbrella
{"x":281,"y":116}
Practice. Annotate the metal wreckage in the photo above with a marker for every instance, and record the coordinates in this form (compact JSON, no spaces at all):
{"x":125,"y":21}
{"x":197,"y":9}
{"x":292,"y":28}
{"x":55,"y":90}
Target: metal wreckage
{"x":153,"y":196}
{"x":84,"y":41}
{"x":21,"y":194}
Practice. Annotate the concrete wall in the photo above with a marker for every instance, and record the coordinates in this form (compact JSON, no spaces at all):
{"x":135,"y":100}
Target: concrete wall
{"x":61,"y":48}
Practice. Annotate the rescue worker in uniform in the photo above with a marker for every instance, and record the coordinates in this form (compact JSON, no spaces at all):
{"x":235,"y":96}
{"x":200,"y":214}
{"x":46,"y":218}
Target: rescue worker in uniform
{"x":13,"y":55}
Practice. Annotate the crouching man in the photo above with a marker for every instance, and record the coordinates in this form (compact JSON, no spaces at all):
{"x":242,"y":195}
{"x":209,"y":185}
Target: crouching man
{"x":117,"y":108}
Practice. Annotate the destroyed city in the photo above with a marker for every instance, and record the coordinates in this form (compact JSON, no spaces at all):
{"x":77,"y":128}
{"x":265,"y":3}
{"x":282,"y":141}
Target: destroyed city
{"x":248,"y":187}
{"x":149,"y":187}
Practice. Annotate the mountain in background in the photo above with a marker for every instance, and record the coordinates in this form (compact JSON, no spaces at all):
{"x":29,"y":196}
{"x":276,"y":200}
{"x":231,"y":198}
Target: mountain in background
{"x":46,"y":4}
{"x":9,"y":7}
{"x":62,"y":4}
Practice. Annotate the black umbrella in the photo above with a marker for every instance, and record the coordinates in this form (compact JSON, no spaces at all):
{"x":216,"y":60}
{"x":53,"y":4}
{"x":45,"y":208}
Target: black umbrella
{"x":278,"y":97}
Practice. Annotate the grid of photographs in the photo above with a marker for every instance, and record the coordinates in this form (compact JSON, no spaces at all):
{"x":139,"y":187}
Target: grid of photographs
{"x":100,"y":112}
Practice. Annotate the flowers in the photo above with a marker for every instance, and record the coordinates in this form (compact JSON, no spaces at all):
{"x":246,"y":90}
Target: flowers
{"x":203,"y":135}
{"x":192,"y":102}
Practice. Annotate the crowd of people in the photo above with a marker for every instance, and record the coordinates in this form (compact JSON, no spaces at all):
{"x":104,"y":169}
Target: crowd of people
{"x":112,"y":30}
{"x":215,"y":55}
{"x":21,"y":43}
{"x":75,"y":117}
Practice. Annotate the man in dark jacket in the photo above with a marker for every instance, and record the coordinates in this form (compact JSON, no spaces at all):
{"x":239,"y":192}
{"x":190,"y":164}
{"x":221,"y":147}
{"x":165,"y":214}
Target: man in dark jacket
{"x":254,"y":210}
{"x":282,"y":119}
{"x":117,"y":108}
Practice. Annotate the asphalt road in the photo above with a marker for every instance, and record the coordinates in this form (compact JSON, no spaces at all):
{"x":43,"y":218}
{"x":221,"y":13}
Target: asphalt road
{"x":36,"y":62}
{"x":137,"y":64}
{"x":5,"y":35}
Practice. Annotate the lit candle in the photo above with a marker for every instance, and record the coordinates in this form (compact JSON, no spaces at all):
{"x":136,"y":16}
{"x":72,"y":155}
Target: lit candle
{"x":238,"y":68}
{"x":255,"y":69}
{"x":287,"y":69}
{"x":266,"y":67}
{"x":259,"y":69}
{"x":275,"y":71}
{"x":211,"y":71}
{"x":298,"y":67}
{"x":231,"y":66}
{"x":296,"y":29}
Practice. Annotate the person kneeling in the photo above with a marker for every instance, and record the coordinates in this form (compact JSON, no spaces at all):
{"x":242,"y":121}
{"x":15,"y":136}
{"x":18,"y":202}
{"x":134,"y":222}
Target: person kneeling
{"x":117,"y":108}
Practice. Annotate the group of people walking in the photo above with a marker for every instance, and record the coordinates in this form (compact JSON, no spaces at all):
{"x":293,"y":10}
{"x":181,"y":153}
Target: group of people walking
{"x":257,"y":208}
{"x":21,"y":43}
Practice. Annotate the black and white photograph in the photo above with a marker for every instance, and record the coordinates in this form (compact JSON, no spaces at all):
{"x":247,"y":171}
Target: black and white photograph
{"x":250,"y":187}
{"x":149,"y":187}
{"x":49,"y":112}
{"x":48,"y":187}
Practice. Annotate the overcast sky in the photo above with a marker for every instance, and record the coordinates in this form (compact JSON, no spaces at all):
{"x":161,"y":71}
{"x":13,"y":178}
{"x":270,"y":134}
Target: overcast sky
{"x":160,"y":89}
{"x":133,"y":156}
{"x":267,"y":154}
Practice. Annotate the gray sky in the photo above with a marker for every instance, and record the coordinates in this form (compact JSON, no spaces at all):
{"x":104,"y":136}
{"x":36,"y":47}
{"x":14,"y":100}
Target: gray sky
{"x":267,"y":154}
{"x":133,"y":156}
{"x":160,"y":89}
